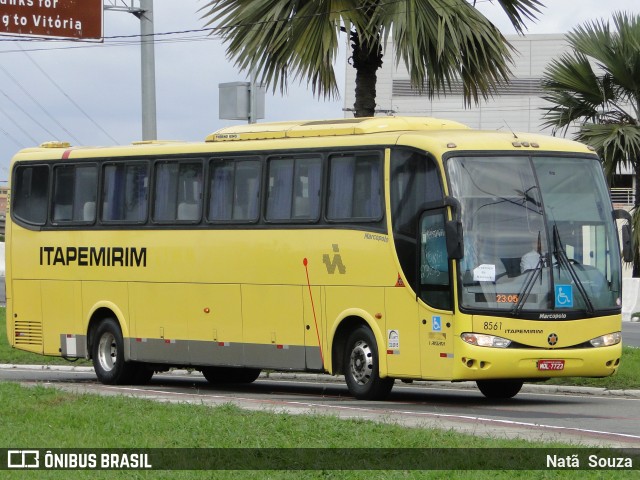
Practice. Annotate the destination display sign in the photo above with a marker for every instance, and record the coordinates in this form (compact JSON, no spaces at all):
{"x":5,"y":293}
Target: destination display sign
{"x":64,"y":19}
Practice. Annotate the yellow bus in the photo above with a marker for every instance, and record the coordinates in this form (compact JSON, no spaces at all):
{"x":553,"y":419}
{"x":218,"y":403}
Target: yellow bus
{"x":379,"y":249}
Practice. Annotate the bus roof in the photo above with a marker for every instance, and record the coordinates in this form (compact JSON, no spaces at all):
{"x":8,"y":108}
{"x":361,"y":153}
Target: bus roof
{"x":436,"y":135}
{"x":323,"y":128}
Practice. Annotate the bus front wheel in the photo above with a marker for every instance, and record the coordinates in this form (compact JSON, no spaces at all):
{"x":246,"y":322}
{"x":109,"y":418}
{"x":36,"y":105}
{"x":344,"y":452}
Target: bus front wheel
{"x":499,"y":389}
{"x":361,"y":367}
{"x":108,"y":355}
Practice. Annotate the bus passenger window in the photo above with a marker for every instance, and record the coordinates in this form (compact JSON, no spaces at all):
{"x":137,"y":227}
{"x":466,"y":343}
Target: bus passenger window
{"x":306,"y":189}
{"x":280,"y":189}
{"x":355,"y":187}
{"x":234,"y":190}
{"x":294,"y":189}
{"x":125,"y":192}
{"x":62,"y":194}
{"x":30,"y":194}
{"x":178,"y":192}
{"x":74,"y":193}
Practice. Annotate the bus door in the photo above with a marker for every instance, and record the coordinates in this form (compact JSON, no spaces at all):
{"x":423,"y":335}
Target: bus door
{"x":435,"y":297}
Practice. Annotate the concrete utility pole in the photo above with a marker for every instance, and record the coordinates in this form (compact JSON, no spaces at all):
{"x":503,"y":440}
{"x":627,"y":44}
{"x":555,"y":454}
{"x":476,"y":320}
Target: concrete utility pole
{"x":147,"y":61}
{"x":148,"y":71}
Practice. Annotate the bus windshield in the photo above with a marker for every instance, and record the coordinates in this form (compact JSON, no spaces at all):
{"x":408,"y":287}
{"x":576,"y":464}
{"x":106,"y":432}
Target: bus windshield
{"x":538,"y":235}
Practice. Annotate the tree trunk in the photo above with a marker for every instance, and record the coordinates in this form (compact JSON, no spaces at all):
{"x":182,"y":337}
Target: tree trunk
{"x":366,"y":59}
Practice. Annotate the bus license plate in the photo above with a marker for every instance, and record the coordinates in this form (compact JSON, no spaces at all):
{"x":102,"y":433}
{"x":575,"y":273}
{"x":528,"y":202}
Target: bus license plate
{"x":550,"y":365}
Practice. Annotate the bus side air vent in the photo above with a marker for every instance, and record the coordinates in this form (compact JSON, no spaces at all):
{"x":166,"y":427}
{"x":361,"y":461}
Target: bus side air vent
{"x":28,"y":332}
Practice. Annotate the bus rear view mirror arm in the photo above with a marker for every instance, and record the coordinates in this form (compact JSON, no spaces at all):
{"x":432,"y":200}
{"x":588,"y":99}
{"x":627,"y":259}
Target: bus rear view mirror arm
{"x":447,"y":201}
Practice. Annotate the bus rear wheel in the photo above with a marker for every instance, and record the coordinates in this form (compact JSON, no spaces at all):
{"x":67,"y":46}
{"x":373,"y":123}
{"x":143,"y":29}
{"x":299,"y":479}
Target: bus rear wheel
{"x":217,"y":375}
{"x":107,"y":352}
{"x":499,"y":389}
{"x":361,"y":367}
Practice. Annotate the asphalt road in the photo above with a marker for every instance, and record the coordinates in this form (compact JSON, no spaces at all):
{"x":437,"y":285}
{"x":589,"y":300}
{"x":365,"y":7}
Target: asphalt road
{"x":631,"y":334}
{"x":586,"y":416}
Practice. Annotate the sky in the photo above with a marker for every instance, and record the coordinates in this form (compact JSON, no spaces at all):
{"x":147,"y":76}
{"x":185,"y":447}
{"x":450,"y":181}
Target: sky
{"x":89,"y":93}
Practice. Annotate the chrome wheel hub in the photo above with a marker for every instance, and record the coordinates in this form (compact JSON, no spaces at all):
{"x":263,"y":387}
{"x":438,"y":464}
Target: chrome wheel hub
{"x":107,"y":352}
{"x":361,"y":362}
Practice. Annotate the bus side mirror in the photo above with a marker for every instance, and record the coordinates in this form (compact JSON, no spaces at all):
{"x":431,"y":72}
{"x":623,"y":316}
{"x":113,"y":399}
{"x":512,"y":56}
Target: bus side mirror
{"x":455,"y":240}
{"x":627,"y":244}
{"x":452,"y":228}
{"x":627,"y":237}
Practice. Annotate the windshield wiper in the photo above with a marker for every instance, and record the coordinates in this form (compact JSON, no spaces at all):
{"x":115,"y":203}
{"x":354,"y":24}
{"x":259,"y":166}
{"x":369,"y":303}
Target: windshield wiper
{"x":532,"y":276}
{"x":561,"y":255}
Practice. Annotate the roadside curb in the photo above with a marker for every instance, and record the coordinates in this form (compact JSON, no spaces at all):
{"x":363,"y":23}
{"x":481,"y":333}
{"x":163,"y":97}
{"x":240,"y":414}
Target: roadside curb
{"x":320,"y":378}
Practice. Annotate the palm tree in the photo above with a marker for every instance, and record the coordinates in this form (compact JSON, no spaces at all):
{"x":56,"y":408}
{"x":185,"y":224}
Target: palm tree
{"x":440,"y":41}
{"x":597,"y":88}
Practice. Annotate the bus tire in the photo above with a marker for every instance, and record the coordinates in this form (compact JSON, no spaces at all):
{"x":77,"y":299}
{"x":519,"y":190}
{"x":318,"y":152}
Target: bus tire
{"x":107,"y":352}
{"x":361,"y":367}
{"x":499,"y":389}
{"x":218,"y":375}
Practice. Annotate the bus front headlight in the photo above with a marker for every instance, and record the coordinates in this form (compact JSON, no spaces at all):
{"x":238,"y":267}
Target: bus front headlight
{"x":606,"y":340}
{"x":482,"y":340}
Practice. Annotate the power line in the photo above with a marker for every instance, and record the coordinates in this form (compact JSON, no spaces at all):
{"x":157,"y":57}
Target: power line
{"x":113,"y":44}
{"x":44,"y":110}
{"x":11,"y":137}
{"x":73,"y":102}
{"x":14,"y":122}
{"x":27,"y":114}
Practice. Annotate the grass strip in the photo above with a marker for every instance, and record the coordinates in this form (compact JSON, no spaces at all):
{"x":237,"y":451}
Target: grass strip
{"x":43,"y":417}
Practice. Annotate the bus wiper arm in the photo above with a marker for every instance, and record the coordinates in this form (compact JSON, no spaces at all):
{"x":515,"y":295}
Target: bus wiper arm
{"x":561,"y":255}
{"x":532,"y":276}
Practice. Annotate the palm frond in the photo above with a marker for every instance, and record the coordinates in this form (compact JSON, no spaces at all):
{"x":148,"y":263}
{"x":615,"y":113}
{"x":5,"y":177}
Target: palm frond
{"x":617,"y":144}
{"x":574,"y":90}
{"x":615,"y":50}
{"x":597,"y":87}
{"x":283,"y":39}
{"x":441,"y":42}
{"x":521,"y":11}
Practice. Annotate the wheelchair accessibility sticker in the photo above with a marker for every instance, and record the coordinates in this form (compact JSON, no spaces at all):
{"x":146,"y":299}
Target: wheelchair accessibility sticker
{"x":564,"y":296}
{"x":436,"y":323}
